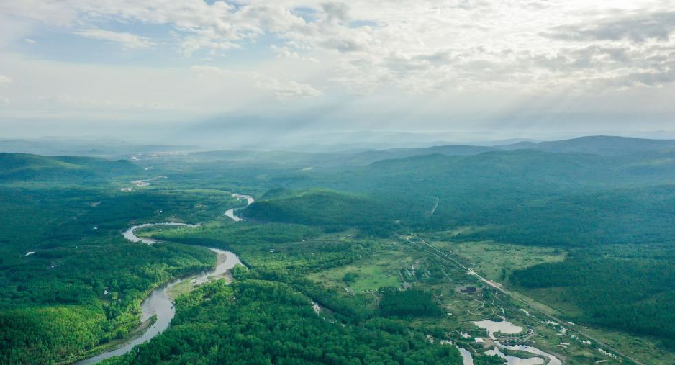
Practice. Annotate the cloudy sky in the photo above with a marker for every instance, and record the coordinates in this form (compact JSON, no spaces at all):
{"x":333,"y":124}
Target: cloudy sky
{"x":503,"y":68}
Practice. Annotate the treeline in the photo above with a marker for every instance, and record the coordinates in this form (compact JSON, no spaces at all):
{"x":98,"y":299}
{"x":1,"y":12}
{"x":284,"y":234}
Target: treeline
{"x":261,"y":322}
{"x":227,"y":234}
{"x":412,"y":302}
{"x":633,"y":295}
{"x":616,"y":216}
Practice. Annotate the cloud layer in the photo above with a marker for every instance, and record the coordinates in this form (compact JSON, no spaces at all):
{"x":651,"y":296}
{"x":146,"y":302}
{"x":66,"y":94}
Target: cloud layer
{"x":423,"y":55}
{"x":127,"y":40}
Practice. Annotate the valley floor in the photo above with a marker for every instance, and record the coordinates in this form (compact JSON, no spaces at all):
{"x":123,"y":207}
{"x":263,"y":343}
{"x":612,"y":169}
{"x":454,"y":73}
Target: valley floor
{"x":347,"y":273}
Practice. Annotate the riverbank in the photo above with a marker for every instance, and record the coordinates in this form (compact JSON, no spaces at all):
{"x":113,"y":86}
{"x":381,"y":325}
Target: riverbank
{"x":159,"y":304}
{"x":113,"y":344}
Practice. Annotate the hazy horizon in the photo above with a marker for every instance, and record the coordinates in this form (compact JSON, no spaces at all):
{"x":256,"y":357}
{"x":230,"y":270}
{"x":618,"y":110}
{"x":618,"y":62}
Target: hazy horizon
{"x":253,"y":73}
{"x":327,"y":142}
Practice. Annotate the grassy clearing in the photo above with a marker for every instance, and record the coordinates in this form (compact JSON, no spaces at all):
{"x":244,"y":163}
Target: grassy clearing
{"x":368,"y":275}
{"x":644,"y":348}
{"x":496,"y":261}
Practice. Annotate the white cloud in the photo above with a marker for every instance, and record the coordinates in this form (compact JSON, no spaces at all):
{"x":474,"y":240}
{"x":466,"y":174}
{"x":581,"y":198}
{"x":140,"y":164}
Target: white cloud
{"x":287,"y":90}
{"x":448,"y":56}
{"x":4,"y":80}
{"x":30,"y":41}
{"x":127,"y":40}
{"x":50,"y":12}
{"x":414,"y":45}
{"x":285,"y":52}
{"x":282,"y":90}
{"x":218,"y":26}
{"x":634,"y":26}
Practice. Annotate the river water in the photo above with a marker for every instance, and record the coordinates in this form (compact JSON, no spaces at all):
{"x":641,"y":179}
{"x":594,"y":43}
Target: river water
{"x":552,"y":360}
{"x":158,"y":303}
{"x":131,"y":236}
{"x":506,"y":327}
{"x":231,"y":212}
{"x":493,"y":327}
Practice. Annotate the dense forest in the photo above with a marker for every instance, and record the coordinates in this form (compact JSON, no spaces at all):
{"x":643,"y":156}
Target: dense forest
{"x":629,"y":289}
{"x":408,"y":303}
{"x":522,"y":197}
{"x":262,"y":322}
{"x":330,"y":209}
{"x":71,"y":283}
{"x":65,"y":302}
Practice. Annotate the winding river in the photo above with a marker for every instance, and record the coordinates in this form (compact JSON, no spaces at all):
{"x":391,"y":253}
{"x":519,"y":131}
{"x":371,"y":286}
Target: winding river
{"x":158,"y":303}
{"x":231,"y":212}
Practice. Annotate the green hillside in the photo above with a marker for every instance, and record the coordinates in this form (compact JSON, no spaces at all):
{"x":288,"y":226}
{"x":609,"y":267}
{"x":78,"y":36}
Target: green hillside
{"x":523,"y":197}
{"x":27,"y":167}
{"x":328,"y":208}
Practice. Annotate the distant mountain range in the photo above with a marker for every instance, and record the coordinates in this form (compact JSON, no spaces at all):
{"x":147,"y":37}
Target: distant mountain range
{"x":597,"y":145}
{"x":97,"y":148}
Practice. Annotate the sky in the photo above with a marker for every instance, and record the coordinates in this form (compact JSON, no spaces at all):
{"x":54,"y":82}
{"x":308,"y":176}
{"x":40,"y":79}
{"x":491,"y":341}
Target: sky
{"x":258,"y":71}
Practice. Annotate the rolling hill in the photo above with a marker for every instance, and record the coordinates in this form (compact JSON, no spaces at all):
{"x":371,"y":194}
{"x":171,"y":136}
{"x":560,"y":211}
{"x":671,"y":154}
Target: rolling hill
{"x":28,"y":167}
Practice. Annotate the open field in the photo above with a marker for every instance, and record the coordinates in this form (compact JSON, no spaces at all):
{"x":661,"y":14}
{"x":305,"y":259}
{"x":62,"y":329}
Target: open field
{"x":496,"y":261}
{"x":366,"y":275}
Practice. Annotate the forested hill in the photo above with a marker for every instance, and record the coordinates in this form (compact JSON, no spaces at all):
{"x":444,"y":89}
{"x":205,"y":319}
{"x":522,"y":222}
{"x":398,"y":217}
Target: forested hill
{"x":340,"y":159}
{"x":594,"y":145}
{"x":28,"y":167}
{"x":330,"y":209}
{"x":555,"y":198}
{"x":526,"y":167}
{"x":600,"y":145}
